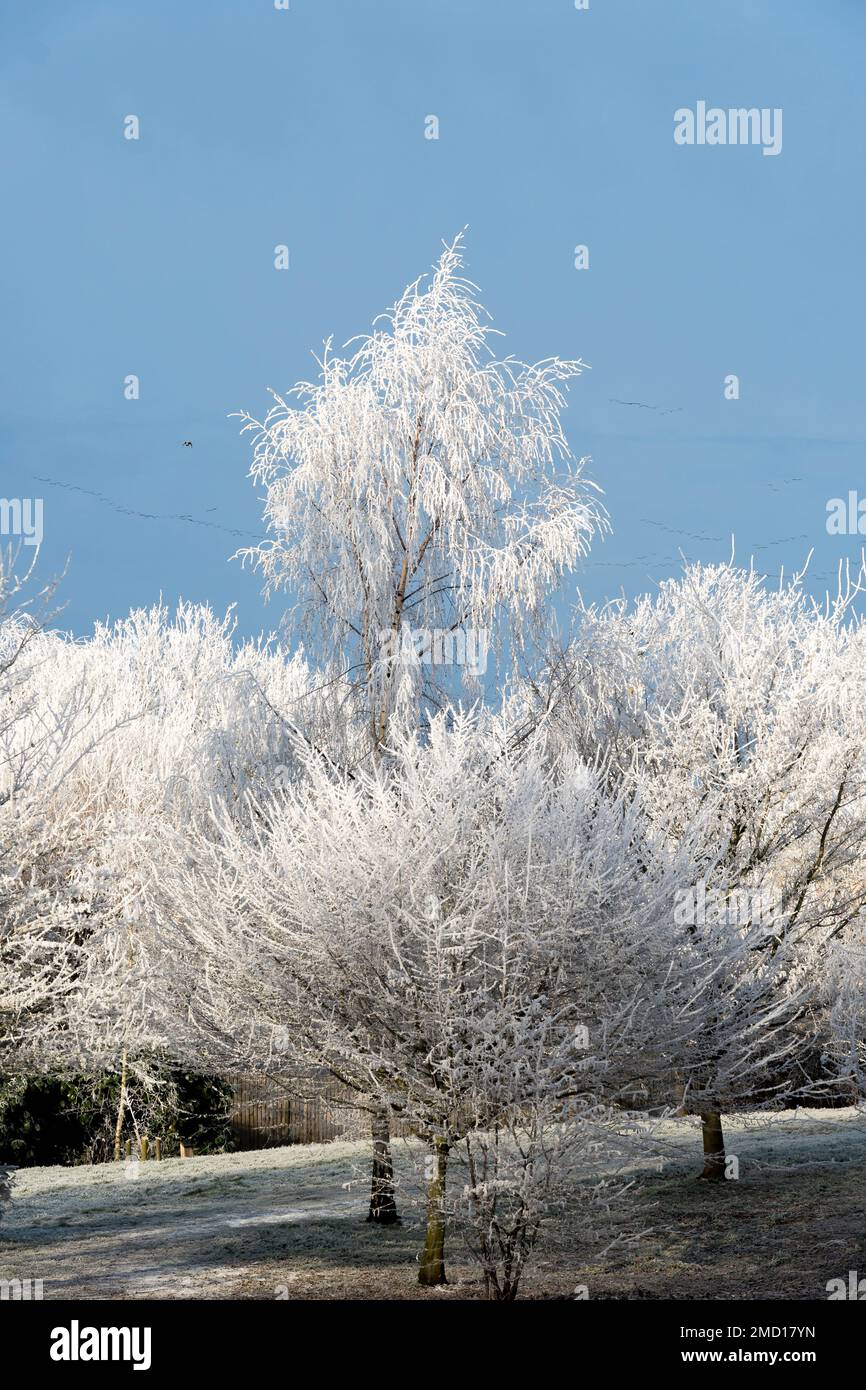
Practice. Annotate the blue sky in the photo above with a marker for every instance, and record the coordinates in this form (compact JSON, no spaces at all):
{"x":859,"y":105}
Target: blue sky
{"x":306,"y":127}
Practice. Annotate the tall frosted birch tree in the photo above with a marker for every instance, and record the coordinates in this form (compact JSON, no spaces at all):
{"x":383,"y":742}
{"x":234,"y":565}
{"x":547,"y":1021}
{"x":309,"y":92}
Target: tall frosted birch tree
{"x":420,"y":494}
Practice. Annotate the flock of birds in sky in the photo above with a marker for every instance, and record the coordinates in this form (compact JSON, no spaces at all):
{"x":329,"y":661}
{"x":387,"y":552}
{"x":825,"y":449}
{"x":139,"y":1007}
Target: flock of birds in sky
{"x":651,"y":557}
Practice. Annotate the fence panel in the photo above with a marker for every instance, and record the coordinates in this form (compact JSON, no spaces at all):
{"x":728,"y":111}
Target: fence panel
{"x":309,"y":1110}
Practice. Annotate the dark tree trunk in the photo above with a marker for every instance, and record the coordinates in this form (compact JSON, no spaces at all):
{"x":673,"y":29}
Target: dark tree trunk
{"x":432,"y":1270}
{"x":121,"y":1106}
{"x":383,"y":1207}
{"x":714,"y":1146}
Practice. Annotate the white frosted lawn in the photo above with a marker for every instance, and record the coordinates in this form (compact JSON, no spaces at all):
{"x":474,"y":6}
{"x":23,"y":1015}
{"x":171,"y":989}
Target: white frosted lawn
{"x":290,"y":1222}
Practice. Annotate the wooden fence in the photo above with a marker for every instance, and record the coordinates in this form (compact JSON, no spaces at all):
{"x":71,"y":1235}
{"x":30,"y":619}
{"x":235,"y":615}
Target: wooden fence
{"x":312,"y":1110}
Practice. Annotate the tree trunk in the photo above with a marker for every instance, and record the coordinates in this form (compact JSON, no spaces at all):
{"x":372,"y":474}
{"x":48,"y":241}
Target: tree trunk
{"x":118,"y":1128}
{"x":383,"y":1207}
{"x":714,"y":1146}
{"x":432,"y":1271}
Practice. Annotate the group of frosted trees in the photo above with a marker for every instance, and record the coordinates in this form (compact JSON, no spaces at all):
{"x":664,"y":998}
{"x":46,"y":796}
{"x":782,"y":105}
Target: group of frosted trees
{"x":513,"y":915}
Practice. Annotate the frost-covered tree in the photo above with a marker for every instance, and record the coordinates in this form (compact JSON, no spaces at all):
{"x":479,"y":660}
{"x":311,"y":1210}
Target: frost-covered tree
{"x":735,"y":711}
{"x":106,"y":742}
{"x":845,"y":1003}
{"x":40,"y":840}
{"x":460,"y":930}
{"x":422,"y":503}
{"x":421,"y":499}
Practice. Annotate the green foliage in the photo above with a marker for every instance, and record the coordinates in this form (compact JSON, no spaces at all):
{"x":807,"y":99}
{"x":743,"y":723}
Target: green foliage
{"x":71,"y":1119}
